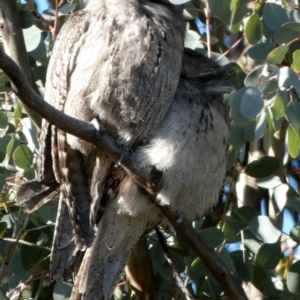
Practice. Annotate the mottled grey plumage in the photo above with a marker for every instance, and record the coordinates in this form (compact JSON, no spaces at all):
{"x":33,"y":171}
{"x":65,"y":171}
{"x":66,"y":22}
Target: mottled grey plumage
{"x":119,"y":62}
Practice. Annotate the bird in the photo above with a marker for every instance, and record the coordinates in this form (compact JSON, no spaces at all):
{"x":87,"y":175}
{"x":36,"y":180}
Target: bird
{"x":166,"y":106}
{"x":118,"y":63}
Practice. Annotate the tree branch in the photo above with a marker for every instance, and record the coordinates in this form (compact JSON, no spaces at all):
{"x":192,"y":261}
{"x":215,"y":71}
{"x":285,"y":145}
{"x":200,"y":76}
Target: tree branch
{"x":103,"y":141}
{"x":14,"y":45}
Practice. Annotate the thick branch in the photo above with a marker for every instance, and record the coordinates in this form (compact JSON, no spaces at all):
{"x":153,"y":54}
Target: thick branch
{"x":102,"y":140}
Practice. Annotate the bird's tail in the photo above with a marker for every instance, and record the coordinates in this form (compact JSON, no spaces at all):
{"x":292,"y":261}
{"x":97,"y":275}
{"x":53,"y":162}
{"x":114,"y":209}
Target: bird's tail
{"x":105,"y":259}
{"x":129,"y":215}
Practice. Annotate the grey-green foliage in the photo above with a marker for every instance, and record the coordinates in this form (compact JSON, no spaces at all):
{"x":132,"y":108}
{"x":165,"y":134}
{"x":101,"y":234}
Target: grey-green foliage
{"x":266,"y":100}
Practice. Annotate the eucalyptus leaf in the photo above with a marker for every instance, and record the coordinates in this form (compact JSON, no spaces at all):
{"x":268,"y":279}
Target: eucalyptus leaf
{"x":287,"y":78}
{"x":243,"y":265}
{"x":254,"y":29}
{"x":280,"y":104}
{"x":263,"y":228}
{"x":32,"y":37}
{"x":236,"y":136}
{"x":251,"y":102}
{"x":262,"y":167}
{"x":213,"y":236}
{"x":287,"y":33}
{"x":261,"y":125}
{"x":293,"y":142}
{"x":296,"y":61}
{"x":197,"y":269}
{"x":249,"y":130}
{"x":27,"y":19}
{"x":277,"y":55}
{"x":239,"y":221}
{"x":260,"y":51}
{"x":293,"y":116}
{"x":3,"y":120}
{"x":268,"y":255}
{"x":274,"y":15}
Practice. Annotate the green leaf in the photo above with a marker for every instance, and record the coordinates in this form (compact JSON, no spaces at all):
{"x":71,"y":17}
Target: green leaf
{"x":12,"y":146}
{"x":293,"y":278}
{"x":236,"y":114}
{"x":280,"y":104}
{"x":254,"y":29}
{"x":251,"y":103}
{"x":213,"y":236}
{"x":270,"y":119}
{"x":274,"y":16}
{"x":261,"y":50}
{"x":296,"y":61}
{"x":30,"y":133}
{"x":287,"y":33}
{"x":249,"y":130}
{"x":263,"y":228}
{"x":268,"y":255}
{"x":293,"y":142}
{"x":23,"y":157}
{"x":239,"y":10}
{"x":27,"y":19}
{"x":293,"y":116}
{"x":287,"y":78}
{"x":226,"y":258}
{"x":277,"y":55}
{"x":239,"y":221}
{"x":3,"y":120}
{"x":242,"y":262}
{"x":18,"y":113}
{"x":190,"y":11}
{"x":262,"y":78}
{"x":279,"y":197}
{"x":40,"y":52}
{"x":179,"y":2}
{"x":197,"y":269}
{"x":3,"y":146}
{"x":236,"y":136}
{"x":262,"y":167}
{"x":261,"y":125}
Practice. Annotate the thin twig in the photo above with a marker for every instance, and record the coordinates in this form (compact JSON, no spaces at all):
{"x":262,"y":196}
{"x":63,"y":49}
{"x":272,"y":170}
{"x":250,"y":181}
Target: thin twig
{"x":231,"y":48}
{"x":25,"y":243}
{"x":207,"y":21}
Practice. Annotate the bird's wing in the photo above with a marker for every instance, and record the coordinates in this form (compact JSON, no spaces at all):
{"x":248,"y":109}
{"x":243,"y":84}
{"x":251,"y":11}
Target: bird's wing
{"x":64,"y":253}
